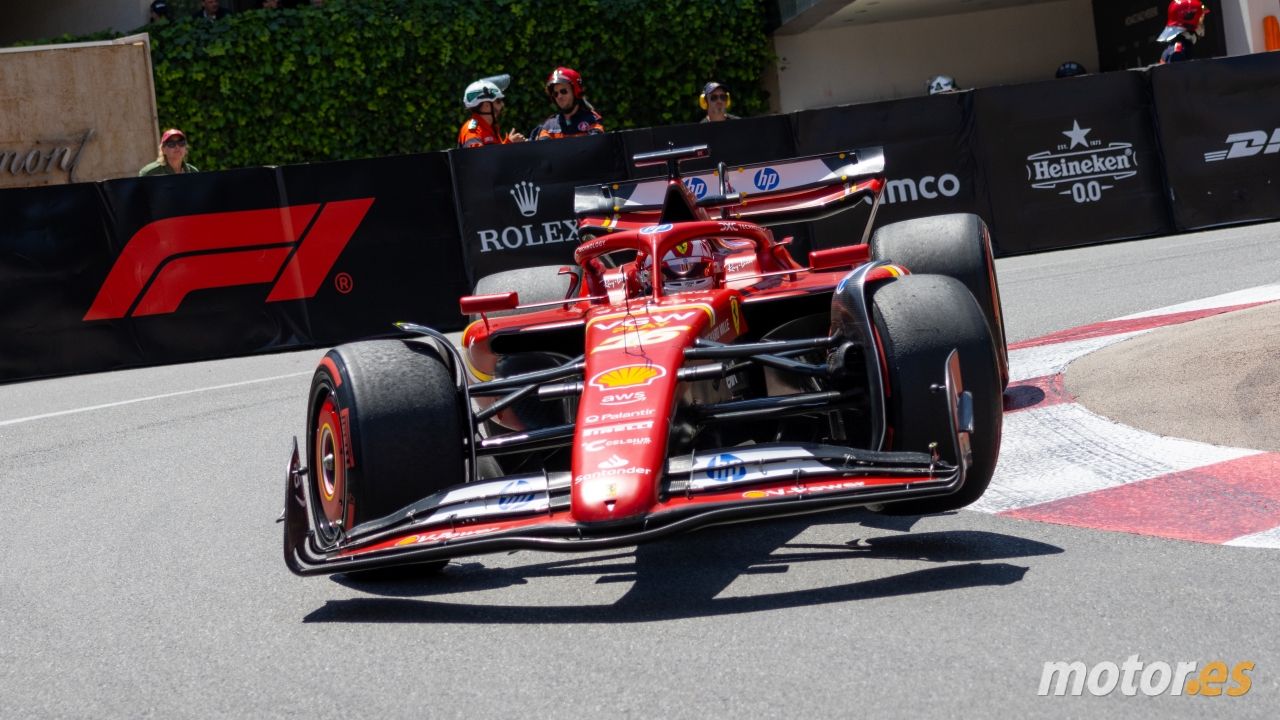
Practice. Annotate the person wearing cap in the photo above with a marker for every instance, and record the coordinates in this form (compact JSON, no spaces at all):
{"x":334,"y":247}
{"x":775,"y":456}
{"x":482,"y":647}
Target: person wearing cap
{"x":574,"y":115}
{"x":715,"y":100}
{"x":1184,"y":27}
{"x":1070,"y":68}
{"x":941,"y":84}
{"x":173,"y":156}
{"x":484,"y":99}
{"x":159,"y":12}
{"x":210,"y":10}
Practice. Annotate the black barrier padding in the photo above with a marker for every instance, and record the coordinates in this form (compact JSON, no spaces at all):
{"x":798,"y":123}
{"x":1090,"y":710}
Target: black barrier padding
{"x":1070,"y":162}
{"x":1219,"y":129}
{"x":403,"y":262}
{"x":223,"y":321}
{"x":54,"y":250}
{"x":929,"y":159}
{"x":515,"y":202}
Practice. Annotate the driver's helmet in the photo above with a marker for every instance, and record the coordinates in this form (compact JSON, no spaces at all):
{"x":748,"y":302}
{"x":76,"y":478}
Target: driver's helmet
{"x":1184,"y":15}
{"x":941,"y":84}
{"x":480,"y":91}
{"x":687,"y":266}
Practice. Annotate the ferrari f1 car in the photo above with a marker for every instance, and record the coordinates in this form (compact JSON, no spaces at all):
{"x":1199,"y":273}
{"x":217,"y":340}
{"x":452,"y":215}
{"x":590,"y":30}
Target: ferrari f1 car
{"x":687,"y":372}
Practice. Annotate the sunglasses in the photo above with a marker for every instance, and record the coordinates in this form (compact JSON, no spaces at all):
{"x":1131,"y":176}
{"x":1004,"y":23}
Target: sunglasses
{"x":175,"y":143}
{"x":563,"y":91}
{"x":718,"y":97}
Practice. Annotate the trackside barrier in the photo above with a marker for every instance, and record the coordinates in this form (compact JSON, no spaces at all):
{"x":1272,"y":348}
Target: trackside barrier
{"x":97,"y":276}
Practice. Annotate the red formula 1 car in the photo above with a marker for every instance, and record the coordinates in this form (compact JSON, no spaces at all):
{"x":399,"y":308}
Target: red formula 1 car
{"x":688,"y":372}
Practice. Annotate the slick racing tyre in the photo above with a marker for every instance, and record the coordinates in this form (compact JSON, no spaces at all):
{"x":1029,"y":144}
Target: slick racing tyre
{"x":385,"y":428}
{"x":534,"y":284}
{"x":957,"y":245}
{"x":919,"y":319}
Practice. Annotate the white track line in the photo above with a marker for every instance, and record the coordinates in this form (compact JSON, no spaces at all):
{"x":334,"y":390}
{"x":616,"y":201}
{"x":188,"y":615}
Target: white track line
{"x":1263,"y":293}
{"x":149,"y":398}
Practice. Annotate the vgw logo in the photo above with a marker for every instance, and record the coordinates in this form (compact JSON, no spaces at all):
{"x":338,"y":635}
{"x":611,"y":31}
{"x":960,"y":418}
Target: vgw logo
{"x":1246,"y":144}
{"x":766,"y":179}
{"x":513,"y":237}
{"x":168,"y":259}
{"x":1081,"y":173}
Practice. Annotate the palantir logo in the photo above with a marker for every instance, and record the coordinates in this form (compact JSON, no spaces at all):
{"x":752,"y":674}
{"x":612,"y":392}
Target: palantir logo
{"x":766,"y":179}
{"x":1082,"y":168}
{"x":697,"y":186}
{"x":168,"y":259}
{"x":526,"y":195}
{"x":1247,"y":144}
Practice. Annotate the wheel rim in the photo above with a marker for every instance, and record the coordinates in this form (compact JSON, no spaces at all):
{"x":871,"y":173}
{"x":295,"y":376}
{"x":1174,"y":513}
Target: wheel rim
{"x":329,"y":476}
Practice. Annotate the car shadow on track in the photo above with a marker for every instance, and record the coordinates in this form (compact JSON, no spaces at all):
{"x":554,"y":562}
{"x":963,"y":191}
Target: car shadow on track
{"x":685,"y":577}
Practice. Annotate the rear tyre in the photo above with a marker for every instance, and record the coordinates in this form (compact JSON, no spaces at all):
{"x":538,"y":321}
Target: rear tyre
{"x":957,"y":245}
{"x":919,"y":320}
{"x":386,"y":424}
{"x":534,"y":284}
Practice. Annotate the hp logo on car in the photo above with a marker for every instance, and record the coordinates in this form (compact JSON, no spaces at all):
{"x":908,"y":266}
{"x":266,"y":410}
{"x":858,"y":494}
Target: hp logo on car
{"x":717,"y":470}
{"x":697,"y":186}
{"x":766,"y":179}
{"x":510,"y":501}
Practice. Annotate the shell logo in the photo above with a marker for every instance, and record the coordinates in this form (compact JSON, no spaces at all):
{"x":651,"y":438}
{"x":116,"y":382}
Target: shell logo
{"x":755,"y":494}
{"x":627,"y":376}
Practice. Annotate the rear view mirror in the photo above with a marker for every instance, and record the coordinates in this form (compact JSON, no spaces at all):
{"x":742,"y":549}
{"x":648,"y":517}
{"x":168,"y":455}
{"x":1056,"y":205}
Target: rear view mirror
{"x":480,"y":304}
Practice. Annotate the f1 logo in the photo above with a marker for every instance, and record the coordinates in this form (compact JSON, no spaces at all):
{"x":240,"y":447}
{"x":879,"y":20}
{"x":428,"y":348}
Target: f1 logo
{"x":293,"y":247}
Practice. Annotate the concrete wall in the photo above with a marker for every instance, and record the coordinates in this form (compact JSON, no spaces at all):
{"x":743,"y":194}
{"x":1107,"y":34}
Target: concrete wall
{"x":76,"y":112}
{"x":1243,"y":19}
{"x":864,"y":63}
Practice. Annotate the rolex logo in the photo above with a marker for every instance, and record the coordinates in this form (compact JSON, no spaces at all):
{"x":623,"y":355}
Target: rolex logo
{"x":526,"y":197}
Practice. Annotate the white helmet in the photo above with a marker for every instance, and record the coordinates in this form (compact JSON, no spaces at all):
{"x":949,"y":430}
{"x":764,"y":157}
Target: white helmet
{"x":480,"y":91}
{"x":942,"y":84}
{"x":687,"y":266}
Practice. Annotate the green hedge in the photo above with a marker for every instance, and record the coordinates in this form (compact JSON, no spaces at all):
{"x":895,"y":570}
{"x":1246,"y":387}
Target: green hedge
{"x":364,"y":78}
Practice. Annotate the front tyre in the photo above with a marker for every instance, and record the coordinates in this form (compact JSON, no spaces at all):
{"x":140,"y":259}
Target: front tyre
{"x":386,"y":427}
{"x":919,"y":320}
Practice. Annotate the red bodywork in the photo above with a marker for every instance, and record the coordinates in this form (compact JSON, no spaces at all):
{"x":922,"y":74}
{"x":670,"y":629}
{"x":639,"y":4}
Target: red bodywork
{"x":623,"y":486}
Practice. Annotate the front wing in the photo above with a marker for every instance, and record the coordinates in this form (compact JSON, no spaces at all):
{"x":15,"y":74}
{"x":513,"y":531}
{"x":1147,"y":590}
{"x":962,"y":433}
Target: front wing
{"x":706,"y":488}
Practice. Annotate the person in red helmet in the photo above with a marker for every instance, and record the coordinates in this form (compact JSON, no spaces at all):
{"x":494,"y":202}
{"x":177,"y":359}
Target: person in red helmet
{"x":484,"y":99}
{"x":1184,"y":27}
{"x":574,"y":115}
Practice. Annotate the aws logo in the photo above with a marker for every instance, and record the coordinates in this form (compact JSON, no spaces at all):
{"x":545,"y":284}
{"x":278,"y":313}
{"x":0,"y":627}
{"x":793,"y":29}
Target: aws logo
{"x":293,"y":247}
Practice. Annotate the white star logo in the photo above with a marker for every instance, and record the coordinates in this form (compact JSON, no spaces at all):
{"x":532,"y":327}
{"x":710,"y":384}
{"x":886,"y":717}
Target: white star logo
{"x":1077,"y":134}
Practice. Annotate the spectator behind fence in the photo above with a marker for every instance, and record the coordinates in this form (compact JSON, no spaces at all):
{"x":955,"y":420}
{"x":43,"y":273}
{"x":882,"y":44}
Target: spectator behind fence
{"x":715,"y":100}
{"x":575,"y":115}
{"x":159,"y":12}
{"x":210,"y":10}
{"x":1184,"y":27}
{"x":173,"y":156}
{"x":485,"y":100}
{"x":1070,"y":68}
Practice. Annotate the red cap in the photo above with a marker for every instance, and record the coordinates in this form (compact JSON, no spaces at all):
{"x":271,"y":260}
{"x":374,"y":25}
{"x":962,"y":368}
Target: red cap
{"x":172,"y":132}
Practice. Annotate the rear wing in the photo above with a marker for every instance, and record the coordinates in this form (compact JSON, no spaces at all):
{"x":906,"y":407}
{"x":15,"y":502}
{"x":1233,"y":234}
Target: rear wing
{"x":769,"y":193}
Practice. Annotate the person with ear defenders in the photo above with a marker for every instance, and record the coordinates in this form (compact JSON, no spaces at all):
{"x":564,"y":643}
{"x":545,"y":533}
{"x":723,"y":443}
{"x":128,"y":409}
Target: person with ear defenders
{"x":716,"y":101}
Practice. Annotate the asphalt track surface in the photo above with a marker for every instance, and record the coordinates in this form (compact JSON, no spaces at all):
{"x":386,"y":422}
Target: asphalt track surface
{"x":142,"y":574}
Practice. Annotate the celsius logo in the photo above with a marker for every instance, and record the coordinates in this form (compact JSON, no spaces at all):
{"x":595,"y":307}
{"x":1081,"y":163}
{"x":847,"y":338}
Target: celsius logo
{"x":526,"y":195}
{"x":766,"y":179}
{"x":697,"y":186}
{"x":1082,"y":167}
{"x":511,"y":497}
{"x":724,"y":468}
{"x":1247,"y":144}
{"x":292,"y":247}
